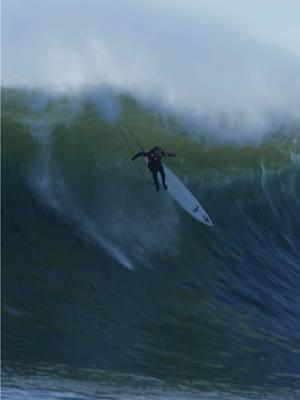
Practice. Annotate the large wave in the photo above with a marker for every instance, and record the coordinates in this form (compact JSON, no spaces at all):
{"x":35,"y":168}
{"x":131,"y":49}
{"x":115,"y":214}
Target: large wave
{"x":100,"y":269}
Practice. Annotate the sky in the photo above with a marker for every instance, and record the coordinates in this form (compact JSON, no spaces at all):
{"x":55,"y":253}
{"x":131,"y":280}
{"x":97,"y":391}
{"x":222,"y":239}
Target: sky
{"x":198,"y":58}
{"x":275,"y":22}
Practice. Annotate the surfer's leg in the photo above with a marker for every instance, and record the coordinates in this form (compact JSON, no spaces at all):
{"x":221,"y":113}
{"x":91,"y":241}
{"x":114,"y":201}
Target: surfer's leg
{"x":154,"y":174}
{"x":163,"y":177}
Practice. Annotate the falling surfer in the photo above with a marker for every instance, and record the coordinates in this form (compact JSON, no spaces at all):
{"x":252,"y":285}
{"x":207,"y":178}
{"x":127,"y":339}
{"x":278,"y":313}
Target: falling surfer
{"x":154,"y":157}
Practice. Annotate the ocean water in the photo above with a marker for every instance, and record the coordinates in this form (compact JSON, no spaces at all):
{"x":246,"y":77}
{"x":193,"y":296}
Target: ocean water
{"x":110,"y":290}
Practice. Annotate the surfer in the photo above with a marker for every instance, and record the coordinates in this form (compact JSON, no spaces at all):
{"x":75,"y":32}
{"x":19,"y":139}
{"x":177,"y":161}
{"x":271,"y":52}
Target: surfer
{"x":155,"y":156}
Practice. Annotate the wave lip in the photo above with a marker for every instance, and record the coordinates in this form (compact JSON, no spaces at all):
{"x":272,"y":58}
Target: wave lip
{"x":236,"y":84}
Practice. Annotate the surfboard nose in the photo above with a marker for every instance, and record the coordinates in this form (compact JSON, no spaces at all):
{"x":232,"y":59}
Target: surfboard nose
{"x":207,"y":220}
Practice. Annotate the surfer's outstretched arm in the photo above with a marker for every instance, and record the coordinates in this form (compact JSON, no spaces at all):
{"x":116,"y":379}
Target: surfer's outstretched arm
{"x":140,"y":154}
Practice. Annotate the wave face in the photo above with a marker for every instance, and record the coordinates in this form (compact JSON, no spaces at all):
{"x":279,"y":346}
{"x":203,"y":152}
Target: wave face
{"x":99,"y":269}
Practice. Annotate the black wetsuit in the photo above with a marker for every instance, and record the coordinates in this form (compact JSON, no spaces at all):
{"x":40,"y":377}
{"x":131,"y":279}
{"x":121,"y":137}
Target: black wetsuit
{"x":154,"y":163}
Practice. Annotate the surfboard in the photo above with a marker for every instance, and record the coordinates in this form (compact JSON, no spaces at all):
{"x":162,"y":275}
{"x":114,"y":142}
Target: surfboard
{"x":181,"y":194}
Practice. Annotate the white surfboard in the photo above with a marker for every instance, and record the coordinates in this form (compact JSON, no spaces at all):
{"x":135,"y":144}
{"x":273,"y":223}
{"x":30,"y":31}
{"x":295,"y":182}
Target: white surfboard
{"x":180,"y":193}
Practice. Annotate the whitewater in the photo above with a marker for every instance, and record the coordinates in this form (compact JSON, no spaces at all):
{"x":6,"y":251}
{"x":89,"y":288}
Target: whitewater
{"x":110,"y":289}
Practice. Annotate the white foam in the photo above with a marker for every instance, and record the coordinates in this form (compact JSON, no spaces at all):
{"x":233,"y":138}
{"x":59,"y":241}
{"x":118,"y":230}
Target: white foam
{"x":187,"y":60}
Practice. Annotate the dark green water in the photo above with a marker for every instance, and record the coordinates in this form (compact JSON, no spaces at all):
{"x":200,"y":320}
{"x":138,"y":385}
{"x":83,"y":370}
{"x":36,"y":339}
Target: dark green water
{"x":100,"y":271}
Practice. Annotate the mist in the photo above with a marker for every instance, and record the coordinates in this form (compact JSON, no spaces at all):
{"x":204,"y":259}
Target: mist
{"x":197,"y":60}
